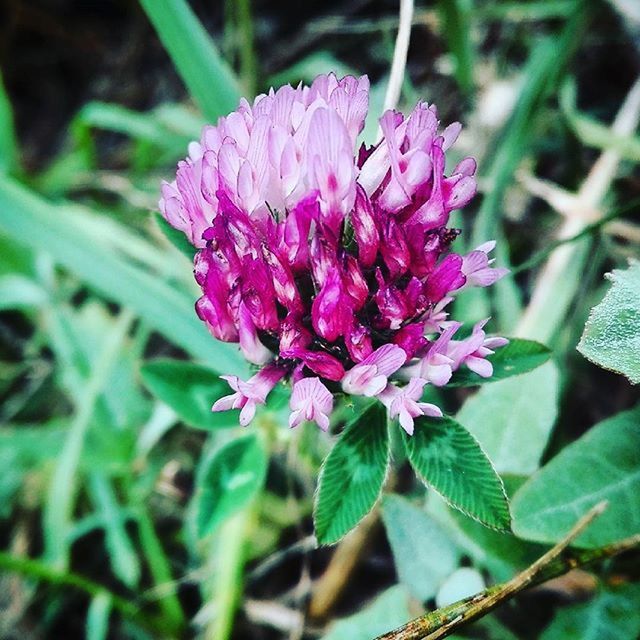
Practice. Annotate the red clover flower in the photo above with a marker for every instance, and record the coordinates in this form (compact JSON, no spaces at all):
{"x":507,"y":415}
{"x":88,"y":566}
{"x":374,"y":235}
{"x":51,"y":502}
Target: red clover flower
{"x":328,"y":264}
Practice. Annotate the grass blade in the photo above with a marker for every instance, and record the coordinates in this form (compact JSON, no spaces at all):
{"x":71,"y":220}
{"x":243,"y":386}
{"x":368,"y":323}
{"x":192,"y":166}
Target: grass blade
{"x":208,"y":78}
{"x":30,"y":220}
{"x":456,"y":18}
{"x":8,"y":144}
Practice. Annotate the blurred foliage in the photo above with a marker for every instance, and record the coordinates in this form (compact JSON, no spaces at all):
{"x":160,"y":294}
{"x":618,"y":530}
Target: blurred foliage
{"x":127,"y":509}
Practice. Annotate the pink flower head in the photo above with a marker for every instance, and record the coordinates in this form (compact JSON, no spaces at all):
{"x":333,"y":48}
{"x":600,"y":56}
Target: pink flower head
{"x":323,"y":259}
{"x":310,"y":400}
{"x":251,"y":393}
{"x":369,"y":377}
{"x":476,"y":267}
{"x":404,"y":403}
{"x":473,"y":350}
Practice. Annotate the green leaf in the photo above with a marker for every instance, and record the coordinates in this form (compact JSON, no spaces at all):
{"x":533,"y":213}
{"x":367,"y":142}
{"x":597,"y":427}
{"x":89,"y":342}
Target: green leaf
{"x":604,"y":464}
{"x":515,"y":358}
{"x":611,"y":336}
{"x":227,"y":480}
{"x":614,"y":614}
{"x":190,"y":390}
{"x":513,"y":426}
{"x":207,"y":76}
{"x":448,"y":458}
{"x":388,"y":611}
{"x":29,"y":219}
{"x":423,"y":551}
{"x":352,"y":475}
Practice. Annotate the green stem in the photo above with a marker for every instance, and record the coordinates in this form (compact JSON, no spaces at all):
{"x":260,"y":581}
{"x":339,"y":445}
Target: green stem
{"x":41,"y":571}
{"x":244,"y":31}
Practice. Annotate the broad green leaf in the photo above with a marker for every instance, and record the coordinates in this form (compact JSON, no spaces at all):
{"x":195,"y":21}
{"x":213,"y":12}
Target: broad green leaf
{"x":352,"y":475}
{"x":515,"y":358}
{"x":448,"y":458}
{"x":207,"y":76}
{"x":513,"y":419}
{"x":423,"y":551}
{"x":613,"y":614}
{"x":611,"y":336}
{"x":388,"y":611}
{"x":604,"y":464}
{"x":29,"y":219}
{"x":228,"y":479}
{"x":190,"y":390}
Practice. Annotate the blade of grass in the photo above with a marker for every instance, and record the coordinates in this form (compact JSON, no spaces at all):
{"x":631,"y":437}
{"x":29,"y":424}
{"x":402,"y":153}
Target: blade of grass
{"x":8,"y":144}
{"x":159,"y":568}
{"x":63,"y":579}
{"x":593,"y":133}
{"x":456,"y":19}
{"x":542,"y":74}
{"x":30,"y":220}
{"x":208,"y":78}
{"x":122,"y":555}
{"x":97,"y":624}
{"x":58,"y":510}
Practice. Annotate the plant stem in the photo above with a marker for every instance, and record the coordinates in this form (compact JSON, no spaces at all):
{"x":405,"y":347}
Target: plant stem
{"x":557,"y":561}
{"x":41,"y":571}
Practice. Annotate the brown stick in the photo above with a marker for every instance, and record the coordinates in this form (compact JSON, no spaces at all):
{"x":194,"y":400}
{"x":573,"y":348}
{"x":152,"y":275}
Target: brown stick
{"x":447,"y":620}
{"x":346,"y":557}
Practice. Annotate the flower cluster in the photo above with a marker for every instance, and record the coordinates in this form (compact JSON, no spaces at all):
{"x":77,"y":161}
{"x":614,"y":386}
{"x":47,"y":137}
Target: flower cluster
{"x":330,"y":265}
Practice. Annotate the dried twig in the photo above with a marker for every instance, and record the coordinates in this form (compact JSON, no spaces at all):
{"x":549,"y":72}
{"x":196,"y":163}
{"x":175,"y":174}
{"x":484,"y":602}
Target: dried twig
{"x":399,"y":55}
{"x":346,"y":557}
{"x":557,"y":561}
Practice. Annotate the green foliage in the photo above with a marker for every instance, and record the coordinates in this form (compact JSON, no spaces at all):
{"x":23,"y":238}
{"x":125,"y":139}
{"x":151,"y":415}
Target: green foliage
{"x":513,"y":419}
{"x":352,"y":475}
{"x":227,"y":480}
{"x":387,"y":611}
{"x":32,"y":220}
{"x":190,"y":390}
{"x":423,"y":551}
{"x":613,"y":614}
{"x":207,"y":76}
{"x":593,"y":133}
{"x":515,"y":358}
{"x":8,"y":145}
{"x":604,"y":464}
{"x":611,"y":336}
{"x":448,"y":458}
